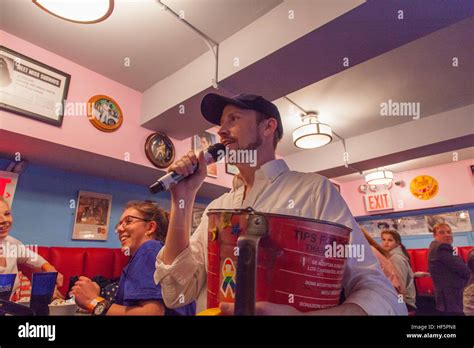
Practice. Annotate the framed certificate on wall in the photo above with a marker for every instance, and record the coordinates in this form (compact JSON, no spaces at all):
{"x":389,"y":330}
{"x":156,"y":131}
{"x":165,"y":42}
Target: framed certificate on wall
{"x":31,"y":88}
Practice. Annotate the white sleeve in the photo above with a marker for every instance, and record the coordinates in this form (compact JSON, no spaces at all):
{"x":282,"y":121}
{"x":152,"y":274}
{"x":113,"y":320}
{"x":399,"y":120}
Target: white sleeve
{"x":182,"y":281}
{"x":27,"y":256}
{"x":364,"y":282}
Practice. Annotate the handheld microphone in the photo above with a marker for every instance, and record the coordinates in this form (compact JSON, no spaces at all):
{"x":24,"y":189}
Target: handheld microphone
{"x":211,"y":155}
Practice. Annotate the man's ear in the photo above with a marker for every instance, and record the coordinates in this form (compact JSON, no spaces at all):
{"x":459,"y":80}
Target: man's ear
{"x":271,"y":125}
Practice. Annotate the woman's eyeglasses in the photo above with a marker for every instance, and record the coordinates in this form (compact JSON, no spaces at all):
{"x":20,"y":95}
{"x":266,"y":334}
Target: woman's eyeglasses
{"x":127,"y":220}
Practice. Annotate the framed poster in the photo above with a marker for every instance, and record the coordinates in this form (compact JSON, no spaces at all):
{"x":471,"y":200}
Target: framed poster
{"x":8,"y":181}
{"x":459,"y":221}
{"x":419,"y":224}
{"x":92,"y":216}
{"x":159,"y":150}
{"x":31,"y":88}
{"x":105,"y":113}
{"x":374,"y":227}
{"x":412,"y":225}
{"x":201,"y":142}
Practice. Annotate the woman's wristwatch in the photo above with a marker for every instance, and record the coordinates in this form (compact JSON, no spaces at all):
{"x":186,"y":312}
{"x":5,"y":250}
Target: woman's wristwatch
{"x":98,"y":306}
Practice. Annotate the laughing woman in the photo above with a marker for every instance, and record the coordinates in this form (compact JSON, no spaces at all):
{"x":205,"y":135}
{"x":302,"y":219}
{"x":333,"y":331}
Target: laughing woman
{"x":141,"y":231}
{"x":14,"y":253}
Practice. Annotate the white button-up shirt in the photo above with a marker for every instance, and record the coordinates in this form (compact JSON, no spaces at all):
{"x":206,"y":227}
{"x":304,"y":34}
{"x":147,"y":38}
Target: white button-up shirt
{"x":278,"y":190}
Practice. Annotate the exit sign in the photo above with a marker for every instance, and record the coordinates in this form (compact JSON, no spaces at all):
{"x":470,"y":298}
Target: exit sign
{"x":380,"y":200}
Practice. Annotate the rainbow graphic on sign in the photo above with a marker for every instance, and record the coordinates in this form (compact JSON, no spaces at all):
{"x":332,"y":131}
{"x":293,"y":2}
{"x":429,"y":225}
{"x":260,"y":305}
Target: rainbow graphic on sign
{"x":228,"y":279}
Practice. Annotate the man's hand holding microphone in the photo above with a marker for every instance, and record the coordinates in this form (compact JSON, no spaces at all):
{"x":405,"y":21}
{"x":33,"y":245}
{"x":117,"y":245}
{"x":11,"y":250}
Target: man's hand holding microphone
{"x":183,"y":180}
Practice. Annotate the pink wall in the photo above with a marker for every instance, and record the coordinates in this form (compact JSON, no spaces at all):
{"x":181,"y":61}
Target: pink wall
{"x":456,"y":186}
{"x":77,"y":131}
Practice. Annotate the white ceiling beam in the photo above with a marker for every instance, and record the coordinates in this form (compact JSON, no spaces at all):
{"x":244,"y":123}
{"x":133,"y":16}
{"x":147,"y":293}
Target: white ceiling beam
{"x":267,"y":34}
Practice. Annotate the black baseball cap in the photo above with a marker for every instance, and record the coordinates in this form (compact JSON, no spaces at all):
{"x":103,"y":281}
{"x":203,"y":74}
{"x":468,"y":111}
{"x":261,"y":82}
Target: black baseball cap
{"x":213,"y":104}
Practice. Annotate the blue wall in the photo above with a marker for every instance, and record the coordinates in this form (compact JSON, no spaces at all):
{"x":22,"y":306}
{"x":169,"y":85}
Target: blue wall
{"x":41,"y":209}
{"x":423,"y":241}
{"x":42,"y":215}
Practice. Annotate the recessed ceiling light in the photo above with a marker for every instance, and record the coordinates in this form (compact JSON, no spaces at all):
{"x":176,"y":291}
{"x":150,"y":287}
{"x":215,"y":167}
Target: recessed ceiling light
{"x":78,"y":11}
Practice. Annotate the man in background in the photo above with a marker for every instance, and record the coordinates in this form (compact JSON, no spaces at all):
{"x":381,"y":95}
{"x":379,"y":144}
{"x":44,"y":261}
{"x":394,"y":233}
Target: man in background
{"x":449,"y":273}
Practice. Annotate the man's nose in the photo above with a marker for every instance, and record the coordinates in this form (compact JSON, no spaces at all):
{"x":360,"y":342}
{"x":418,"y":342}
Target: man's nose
{"x":222,"y":131}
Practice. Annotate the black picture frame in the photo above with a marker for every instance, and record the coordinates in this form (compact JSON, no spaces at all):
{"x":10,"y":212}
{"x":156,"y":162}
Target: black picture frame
{"x":159,"y":150}
{"x":16,"y":69}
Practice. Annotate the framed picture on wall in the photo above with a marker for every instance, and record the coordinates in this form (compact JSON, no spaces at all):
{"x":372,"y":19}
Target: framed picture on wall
{"x":159,"y":150}
{"x":419,"y":224}
{"x":105,"y":113}
{"x":31,"y":88}
{"x":92,"y":218}
{"x":201,"y":142}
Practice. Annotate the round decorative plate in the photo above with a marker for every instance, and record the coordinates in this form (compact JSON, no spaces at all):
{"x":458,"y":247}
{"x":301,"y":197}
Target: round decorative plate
{"x":104,"y":113}
{"x":159,"y":150}
{"x":424,"y":187}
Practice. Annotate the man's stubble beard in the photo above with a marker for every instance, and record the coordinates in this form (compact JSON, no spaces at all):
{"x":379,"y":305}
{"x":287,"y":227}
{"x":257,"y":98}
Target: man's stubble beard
{"x":255,"y":145}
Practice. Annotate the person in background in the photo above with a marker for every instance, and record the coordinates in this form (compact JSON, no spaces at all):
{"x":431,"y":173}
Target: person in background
{"x":468,"y":293}
{"x":383,"y":256}
{"x":392,"y":243}
{"x":141,"y":230}
{"x":6,"y":66}
{"x":449,"y":273}
{"x":14,"y":253}
{"x":205,"y":140}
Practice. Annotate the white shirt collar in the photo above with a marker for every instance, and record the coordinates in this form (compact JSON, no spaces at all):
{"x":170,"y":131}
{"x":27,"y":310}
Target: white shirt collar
{"x":270,"y":171}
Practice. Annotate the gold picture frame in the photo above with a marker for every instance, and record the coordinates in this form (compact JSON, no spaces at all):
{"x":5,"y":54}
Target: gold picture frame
{"x":104,"y":113}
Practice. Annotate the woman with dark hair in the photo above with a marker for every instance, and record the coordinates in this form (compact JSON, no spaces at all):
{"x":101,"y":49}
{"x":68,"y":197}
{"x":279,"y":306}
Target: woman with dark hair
{"x":141,"y":231}
{"x":392,"y":243}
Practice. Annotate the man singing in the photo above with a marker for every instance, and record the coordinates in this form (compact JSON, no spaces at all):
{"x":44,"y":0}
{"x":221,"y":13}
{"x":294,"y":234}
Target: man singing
{"x":250,"y":122}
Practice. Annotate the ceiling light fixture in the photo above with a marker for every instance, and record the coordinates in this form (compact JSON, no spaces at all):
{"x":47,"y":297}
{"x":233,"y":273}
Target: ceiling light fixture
{"x":313,"y":133}
{"x":78,"y":11}
{"x":380,"y":177}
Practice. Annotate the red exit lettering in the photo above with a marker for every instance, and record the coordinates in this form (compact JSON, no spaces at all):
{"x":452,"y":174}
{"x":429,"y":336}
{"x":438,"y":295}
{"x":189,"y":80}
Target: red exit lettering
{"x":378,"y":202}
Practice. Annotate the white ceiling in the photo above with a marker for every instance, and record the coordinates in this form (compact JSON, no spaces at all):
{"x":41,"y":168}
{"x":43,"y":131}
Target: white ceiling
{"x":429,"y":161}
{"x":158,"y":45}
{"x":155,"y":41}
{"x":420,"y":71}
